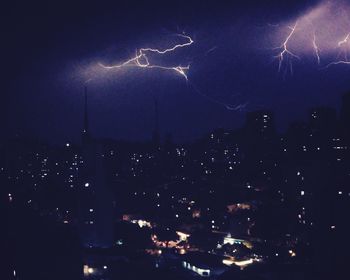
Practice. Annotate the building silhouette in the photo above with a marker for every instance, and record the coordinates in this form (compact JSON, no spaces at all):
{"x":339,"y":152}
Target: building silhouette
{"x":259,"y":134}
{"x":260,"y":124}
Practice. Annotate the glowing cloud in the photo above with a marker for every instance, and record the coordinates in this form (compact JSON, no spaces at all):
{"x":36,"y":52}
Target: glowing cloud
{"x":322,"y":33}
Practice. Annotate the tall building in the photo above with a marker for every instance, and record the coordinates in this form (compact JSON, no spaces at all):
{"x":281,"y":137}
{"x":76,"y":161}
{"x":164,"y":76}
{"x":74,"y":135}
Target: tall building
{"x":323,"y":128}
{"x":259,"y":134}
{"x":95,"y":216}
{"x":260,"y":124}
{"x":323,"y":120}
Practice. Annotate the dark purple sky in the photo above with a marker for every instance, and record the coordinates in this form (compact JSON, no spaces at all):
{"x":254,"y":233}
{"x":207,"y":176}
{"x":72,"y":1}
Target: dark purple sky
{"x":49,"y":50}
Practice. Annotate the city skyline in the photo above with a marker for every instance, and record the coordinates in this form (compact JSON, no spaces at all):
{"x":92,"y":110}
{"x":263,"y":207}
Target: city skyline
{"x":175,"y":140}
{"x":234,"y":66}
{"x":159,"y":134}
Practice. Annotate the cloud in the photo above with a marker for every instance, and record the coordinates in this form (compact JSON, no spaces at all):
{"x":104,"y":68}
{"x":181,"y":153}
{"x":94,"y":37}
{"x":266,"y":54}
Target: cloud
{"x":321,"y":33}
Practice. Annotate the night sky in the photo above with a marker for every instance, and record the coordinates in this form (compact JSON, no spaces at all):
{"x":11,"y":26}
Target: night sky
{"x":50,"y":50}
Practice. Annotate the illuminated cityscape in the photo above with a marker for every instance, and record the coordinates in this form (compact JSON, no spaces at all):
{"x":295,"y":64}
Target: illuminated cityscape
{"x":136,"y":168}
{"x":232,"y":198}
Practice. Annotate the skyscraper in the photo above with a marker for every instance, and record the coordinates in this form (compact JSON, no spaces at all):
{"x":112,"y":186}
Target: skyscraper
{"x":259,"y":134}
{"x":323,"y":120}
{"x":260,"y":124}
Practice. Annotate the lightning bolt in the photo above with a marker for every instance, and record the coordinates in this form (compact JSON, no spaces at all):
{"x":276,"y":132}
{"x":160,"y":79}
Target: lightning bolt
{"x":190,"y":42}
{"x":343,"y":45}
{"x":141,"y":59}
{"x":285,"y":53}
{"x":344,"y":41}
{"x":316,"y":49}
{"x":338,"y":63}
